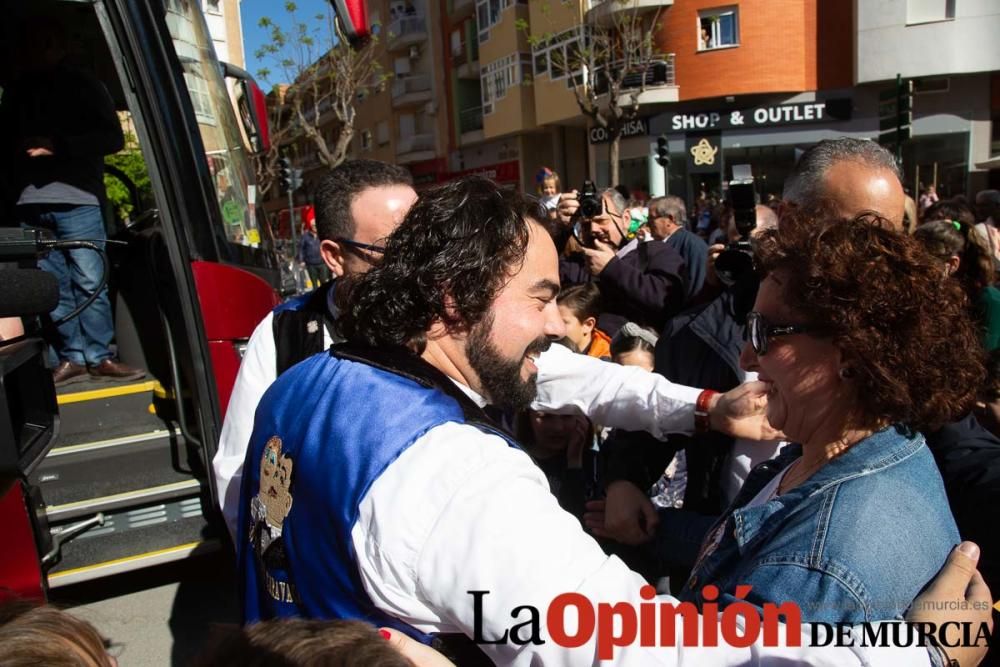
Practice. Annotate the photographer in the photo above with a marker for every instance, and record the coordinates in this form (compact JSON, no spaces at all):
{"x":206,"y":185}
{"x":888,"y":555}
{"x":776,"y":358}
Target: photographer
{"x":639,"y":282}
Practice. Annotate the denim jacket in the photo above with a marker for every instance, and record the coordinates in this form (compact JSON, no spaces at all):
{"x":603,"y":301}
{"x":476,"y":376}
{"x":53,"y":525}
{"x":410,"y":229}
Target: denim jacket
{"x":855,"y":542}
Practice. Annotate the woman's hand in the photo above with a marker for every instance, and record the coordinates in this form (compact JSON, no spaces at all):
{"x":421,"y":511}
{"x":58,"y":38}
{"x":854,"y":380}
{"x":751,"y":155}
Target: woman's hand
{"x":419,"y":654}
{"x":741,"y":413}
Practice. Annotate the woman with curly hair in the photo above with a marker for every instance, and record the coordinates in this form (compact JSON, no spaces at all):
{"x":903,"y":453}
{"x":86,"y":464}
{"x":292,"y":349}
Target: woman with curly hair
{"x":965,"y":259}
{"x":864,"y":347}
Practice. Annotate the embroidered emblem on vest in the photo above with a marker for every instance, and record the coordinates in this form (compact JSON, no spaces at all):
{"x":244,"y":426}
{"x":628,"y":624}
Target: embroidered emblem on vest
{"x":273,"y":501}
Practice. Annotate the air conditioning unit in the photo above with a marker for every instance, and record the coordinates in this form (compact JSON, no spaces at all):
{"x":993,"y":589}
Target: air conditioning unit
{"x":414,"y":52}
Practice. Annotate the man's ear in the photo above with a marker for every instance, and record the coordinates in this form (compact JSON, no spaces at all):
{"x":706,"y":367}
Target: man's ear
{"x":333,"y":256}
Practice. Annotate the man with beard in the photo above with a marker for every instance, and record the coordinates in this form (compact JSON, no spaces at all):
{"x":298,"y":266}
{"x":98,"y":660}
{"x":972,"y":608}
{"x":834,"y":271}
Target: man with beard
{"x":404,"y":495}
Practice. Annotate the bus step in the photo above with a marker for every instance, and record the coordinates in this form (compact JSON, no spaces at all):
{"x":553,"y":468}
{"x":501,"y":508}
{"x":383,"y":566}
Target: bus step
{"x":122,"y":501}
{"x":98,"y":410}
{"x":86,"y":473}
{"x":135,"y":539}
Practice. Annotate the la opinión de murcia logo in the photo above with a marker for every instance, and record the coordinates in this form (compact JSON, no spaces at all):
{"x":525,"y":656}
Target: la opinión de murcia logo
{"x":572,"y":620}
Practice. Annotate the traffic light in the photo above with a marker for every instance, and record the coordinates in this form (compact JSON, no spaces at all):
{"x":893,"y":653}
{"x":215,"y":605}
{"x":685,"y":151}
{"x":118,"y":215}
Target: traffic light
{"x":662,"y":151}
{"x":895,"y":114}
{"x":285,"y":174}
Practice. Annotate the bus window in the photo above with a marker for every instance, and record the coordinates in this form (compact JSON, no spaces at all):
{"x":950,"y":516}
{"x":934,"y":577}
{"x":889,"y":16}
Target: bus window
{"x":228,"y":159}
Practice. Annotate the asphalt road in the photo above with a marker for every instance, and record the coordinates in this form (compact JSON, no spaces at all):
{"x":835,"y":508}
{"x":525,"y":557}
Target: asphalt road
{"x":159,"y":616}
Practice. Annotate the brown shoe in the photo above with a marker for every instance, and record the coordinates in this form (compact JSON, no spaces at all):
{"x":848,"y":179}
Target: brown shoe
{"x":67,"y":373}
{"x":109,"y":369}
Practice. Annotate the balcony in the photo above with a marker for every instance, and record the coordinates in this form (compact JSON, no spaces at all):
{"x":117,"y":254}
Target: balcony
{"x":414,"y":148}
{"x":605,"y":12}
{"x":406,"y":31}
{"x":470,"y":125}
{"x":660,"y":83}
{"x":408,"y":91}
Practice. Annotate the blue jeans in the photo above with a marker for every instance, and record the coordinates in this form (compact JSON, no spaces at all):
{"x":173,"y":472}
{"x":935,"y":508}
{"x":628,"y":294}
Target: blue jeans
{"x":85,"y":339}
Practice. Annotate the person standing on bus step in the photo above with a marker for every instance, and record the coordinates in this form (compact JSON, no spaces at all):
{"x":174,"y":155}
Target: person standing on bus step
{"x":58,"y":123}
{"x":358,"y":204}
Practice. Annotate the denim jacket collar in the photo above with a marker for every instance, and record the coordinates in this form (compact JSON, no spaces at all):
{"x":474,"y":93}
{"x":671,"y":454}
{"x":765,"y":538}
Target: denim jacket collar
{"x":876,"y":452}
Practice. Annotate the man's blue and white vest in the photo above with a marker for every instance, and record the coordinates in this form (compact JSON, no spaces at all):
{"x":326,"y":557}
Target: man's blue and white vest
{"x":323,"y":433}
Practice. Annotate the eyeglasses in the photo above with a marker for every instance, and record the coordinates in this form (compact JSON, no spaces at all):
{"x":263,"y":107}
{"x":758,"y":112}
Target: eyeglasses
{"x":357,"y":245}
{"x":758,"y":331}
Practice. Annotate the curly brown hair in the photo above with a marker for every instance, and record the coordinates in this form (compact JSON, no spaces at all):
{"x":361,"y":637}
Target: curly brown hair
{"x":883,"y":300}
{"x":447,"y":261}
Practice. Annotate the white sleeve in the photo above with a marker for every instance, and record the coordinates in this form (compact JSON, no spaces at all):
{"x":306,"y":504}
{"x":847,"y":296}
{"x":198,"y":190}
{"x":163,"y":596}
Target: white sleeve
{"x":613,"y":395}
{"x":461,"y":511}
{"x":257,"y":372}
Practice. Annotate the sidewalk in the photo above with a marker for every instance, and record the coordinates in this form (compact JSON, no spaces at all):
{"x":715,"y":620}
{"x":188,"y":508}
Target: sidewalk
{"x":160,"y":616}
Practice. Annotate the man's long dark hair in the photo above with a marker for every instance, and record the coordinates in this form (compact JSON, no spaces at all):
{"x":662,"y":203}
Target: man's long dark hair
{"x":447,"y":261}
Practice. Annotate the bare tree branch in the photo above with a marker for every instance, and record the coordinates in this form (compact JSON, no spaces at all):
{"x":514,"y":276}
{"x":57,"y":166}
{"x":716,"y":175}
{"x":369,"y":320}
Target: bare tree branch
{"x":324,"y":75}
{"x":608,"y":65}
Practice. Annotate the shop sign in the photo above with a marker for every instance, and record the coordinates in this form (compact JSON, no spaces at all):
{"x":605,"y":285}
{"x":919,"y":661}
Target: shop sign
{"x":703,"y":151}
{"x":638,"y":127}
{"x":502,"y":172}
{"x":798,"y":113}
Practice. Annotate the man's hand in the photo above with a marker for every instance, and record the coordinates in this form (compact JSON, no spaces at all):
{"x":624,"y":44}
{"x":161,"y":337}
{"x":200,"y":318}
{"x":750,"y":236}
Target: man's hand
{"x":629,"y":515}
{"x":567,"y":207}
{"x":711,"y":277}
{"x":741,"y":413}
{"x":39,"y":147}
{"x":598,"y":256}
{"x":957,"y":594}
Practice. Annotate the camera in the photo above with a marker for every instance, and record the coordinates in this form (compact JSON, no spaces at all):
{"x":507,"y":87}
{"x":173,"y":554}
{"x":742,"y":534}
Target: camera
{"x":590,"y":207}
{"x":590,"y":201}
{"x":735,"y":263}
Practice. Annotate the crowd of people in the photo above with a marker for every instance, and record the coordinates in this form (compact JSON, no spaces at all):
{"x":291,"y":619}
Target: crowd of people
{"x":507,"y":395}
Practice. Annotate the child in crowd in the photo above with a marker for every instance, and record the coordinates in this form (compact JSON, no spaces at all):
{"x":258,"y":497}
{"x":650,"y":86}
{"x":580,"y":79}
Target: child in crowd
{"x":300,"y":642}
{"x":965,"y":259}
{"x":33,"y":634}
{"x":579,"y":307}
{"x":563,"y":447}
{"x":549,"y":188}
{"x":633,"y":345}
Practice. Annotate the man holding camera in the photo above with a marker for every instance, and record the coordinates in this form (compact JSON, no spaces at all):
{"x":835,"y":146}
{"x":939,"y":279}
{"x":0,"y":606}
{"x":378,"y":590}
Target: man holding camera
{"x":639,"y":282}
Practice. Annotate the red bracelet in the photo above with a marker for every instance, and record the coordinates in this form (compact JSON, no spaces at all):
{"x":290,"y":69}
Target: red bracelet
{"x":701,"y":421}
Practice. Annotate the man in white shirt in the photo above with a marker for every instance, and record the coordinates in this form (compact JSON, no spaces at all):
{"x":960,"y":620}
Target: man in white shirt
{"x":384,"y":491}
{"x":359,"y":204}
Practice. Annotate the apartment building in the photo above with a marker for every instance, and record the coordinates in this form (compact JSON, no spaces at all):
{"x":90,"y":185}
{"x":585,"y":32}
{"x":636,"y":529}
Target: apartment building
{"x":741,"y":82}
{"x":405,"y":121}
{"x":949,"y":50}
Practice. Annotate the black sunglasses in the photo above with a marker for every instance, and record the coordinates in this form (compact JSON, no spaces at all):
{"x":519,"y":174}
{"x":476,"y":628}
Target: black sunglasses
{"x":361,"y":246}
{"x":758,"y":331}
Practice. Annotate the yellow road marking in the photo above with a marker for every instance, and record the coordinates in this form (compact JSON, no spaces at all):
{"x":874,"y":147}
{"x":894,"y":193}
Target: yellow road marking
{"x":126,"y":559}
{"x":94,"y":394}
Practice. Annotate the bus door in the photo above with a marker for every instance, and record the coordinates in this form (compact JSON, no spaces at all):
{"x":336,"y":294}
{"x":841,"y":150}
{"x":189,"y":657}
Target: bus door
{"x":127,"y":483}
